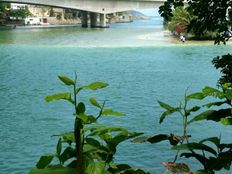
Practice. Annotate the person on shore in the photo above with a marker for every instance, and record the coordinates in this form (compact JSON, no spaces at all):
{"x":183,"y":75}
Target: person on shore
{"x":182,"y":38}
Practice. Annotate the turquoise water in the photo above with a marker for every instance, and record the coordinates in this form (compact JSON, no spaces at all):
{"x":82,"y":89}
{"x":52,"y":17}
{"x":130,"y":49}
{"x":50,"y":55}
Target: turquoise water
{"x":139,"y":60}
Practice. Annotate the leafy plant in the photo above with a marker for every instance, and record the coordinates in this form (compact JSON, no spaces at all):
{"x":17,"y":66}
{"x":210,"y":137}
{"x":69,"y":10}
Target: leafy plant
{"x":210,"y":152}
{"x":167,"y":9}
{"x":90,"y":147}
{"x":180,"y":20}
{"x":211,"y":17}
{"x":19,"y":13}
{"x":225,"y":64}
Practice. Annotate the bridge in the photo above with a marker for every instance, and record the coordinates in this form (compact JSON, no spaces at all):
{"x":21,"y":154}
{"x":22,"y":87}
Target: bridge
{"x":95,"y":8}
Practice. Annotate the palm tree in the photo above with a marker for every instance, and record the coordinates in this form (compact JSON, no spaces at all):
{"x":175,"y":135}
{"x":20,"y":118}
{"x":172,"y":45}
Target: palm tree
{"x":180,"y":20}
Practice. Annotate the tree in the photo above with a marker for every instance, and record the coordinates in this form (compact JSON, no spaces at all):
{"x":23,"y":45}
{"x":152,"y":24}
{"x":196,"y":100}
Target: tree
{"x":19,"y":13}
{"x":3,"y":11}
{"x":225,"y":64}
{"x":52,"y":13}
{"x":180,"y":20}
{"x":167,"y":9}
{"x":212,"y":16}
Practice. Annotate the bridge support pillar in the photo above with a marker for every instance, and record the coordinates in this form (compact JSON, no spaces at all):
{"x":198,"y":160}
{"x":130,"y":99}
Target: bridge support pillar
{"x":93,"y":20}
{"x":84,"y":19}
{"x":103,"y":20}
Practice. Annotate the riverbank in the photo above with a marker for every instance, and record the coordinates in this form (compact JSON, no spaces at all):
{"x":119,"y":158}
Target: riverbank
{"x":47,"y":26}
{"x":161,"y":35}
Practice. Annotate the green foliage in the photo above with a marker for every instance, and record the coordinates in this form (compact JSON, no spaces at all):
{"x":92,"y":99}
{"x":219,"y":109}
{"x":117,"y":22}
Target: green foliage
{"x":90,"y":147}
{"x":166,"y":9}
{"x":3,"y":11}
{"x":64,"y":96}
{"x":19,"y":13}
{"x":210,"y":152}
{"x":210,"y":17}
{"x":180,"y":20}
{"x":44,"y":161}
{"x":225,"y":64}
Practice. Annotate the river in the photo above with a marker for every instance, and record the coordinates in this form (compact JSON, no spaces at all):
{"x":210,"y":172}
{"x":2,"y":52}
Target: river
{"x":139,"y":60}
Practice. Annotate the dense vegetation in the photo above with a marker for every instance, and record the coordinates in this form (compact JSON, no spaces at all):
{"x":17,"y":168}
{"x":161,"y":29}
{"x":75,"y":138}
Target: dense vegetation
{"x":6,"y":13}
{"x":210,"y":152}
{"x":206,"y":16}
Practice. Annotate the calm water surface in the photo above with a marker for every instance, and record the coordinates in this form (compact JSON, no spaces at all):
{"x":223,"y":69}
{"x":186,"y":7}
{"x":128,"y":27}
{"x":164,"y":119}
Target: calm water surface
{"x":139,"y":60}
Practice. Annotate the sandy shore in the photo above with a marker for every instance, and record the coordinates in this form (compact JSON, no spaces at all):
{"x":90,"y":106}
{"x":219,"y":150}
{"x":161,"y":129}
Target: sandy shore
{"x":167,"y":36}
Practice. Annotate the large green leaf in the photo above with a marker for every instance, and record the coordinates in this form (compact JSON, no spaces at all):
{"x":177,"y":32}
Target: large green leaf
{"x":83,"y":117}
{"x":213,"y":115}
{"x":223,"y":146}
{"x":214,"y":140}
{"x":158,"y":138}
{"x":66,"y":80}
{"x":60,"y":96}
{"x":226,"y":121}
{"x":151,"y":139}
{"x":141,"y":139}
{"x":201,"y":158}
{"x":87,"y":119}
{"x":208,"y":105}
{"x":67,"y":137}
{"x":96,"y":85}
{"x":94,"y":102}
{"x":68,"y":153}
{"x":193,"y":109}
{"x":92,"y":142}
{"x":169,"y":110}
{"x":89,"y":148}
{"x":195,"y":146}
{"x":103,"y":130}
{"x":44,"y":161}
{"x":166,"y":106}
{"x":197,"y":95}
{"x":209,"y":91}
{"x":122,"y":136}
{"x":202,"y":116}
{"x":223,"y":160}
{"x":111,"y":112}
{"x":96,"y":168}
{"x":228,"y":94}
{"x":79,"y":89}
{"x":59,"y":147}
{"x":167,"y":113}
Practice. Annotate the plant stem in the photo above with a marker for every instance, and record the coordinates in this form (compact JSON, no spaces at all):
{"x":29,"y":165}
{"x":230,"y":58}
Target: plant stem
{"x":78,"y":136}
{"x":79,"y":145}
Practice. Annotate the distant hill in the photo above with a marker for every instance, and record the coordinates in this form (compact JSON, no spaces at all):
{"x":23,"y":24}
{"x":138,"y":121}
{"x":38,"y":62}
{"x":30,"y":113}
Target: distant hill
{"x":136,"y":15}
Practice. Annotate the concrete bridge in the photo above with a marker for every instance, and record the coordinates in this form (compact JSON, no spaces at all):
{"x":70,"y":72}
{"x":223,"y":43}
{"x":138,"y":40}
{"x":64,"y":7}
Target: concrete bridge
{"x":95,"y":8}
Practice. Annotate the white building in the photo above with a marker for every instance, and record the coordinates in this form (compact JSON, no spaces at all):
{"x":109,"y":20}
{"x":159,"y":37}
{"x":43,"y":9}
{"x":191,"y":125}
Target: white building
{"x":17,"y":6}
{"x":35,"y":21}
